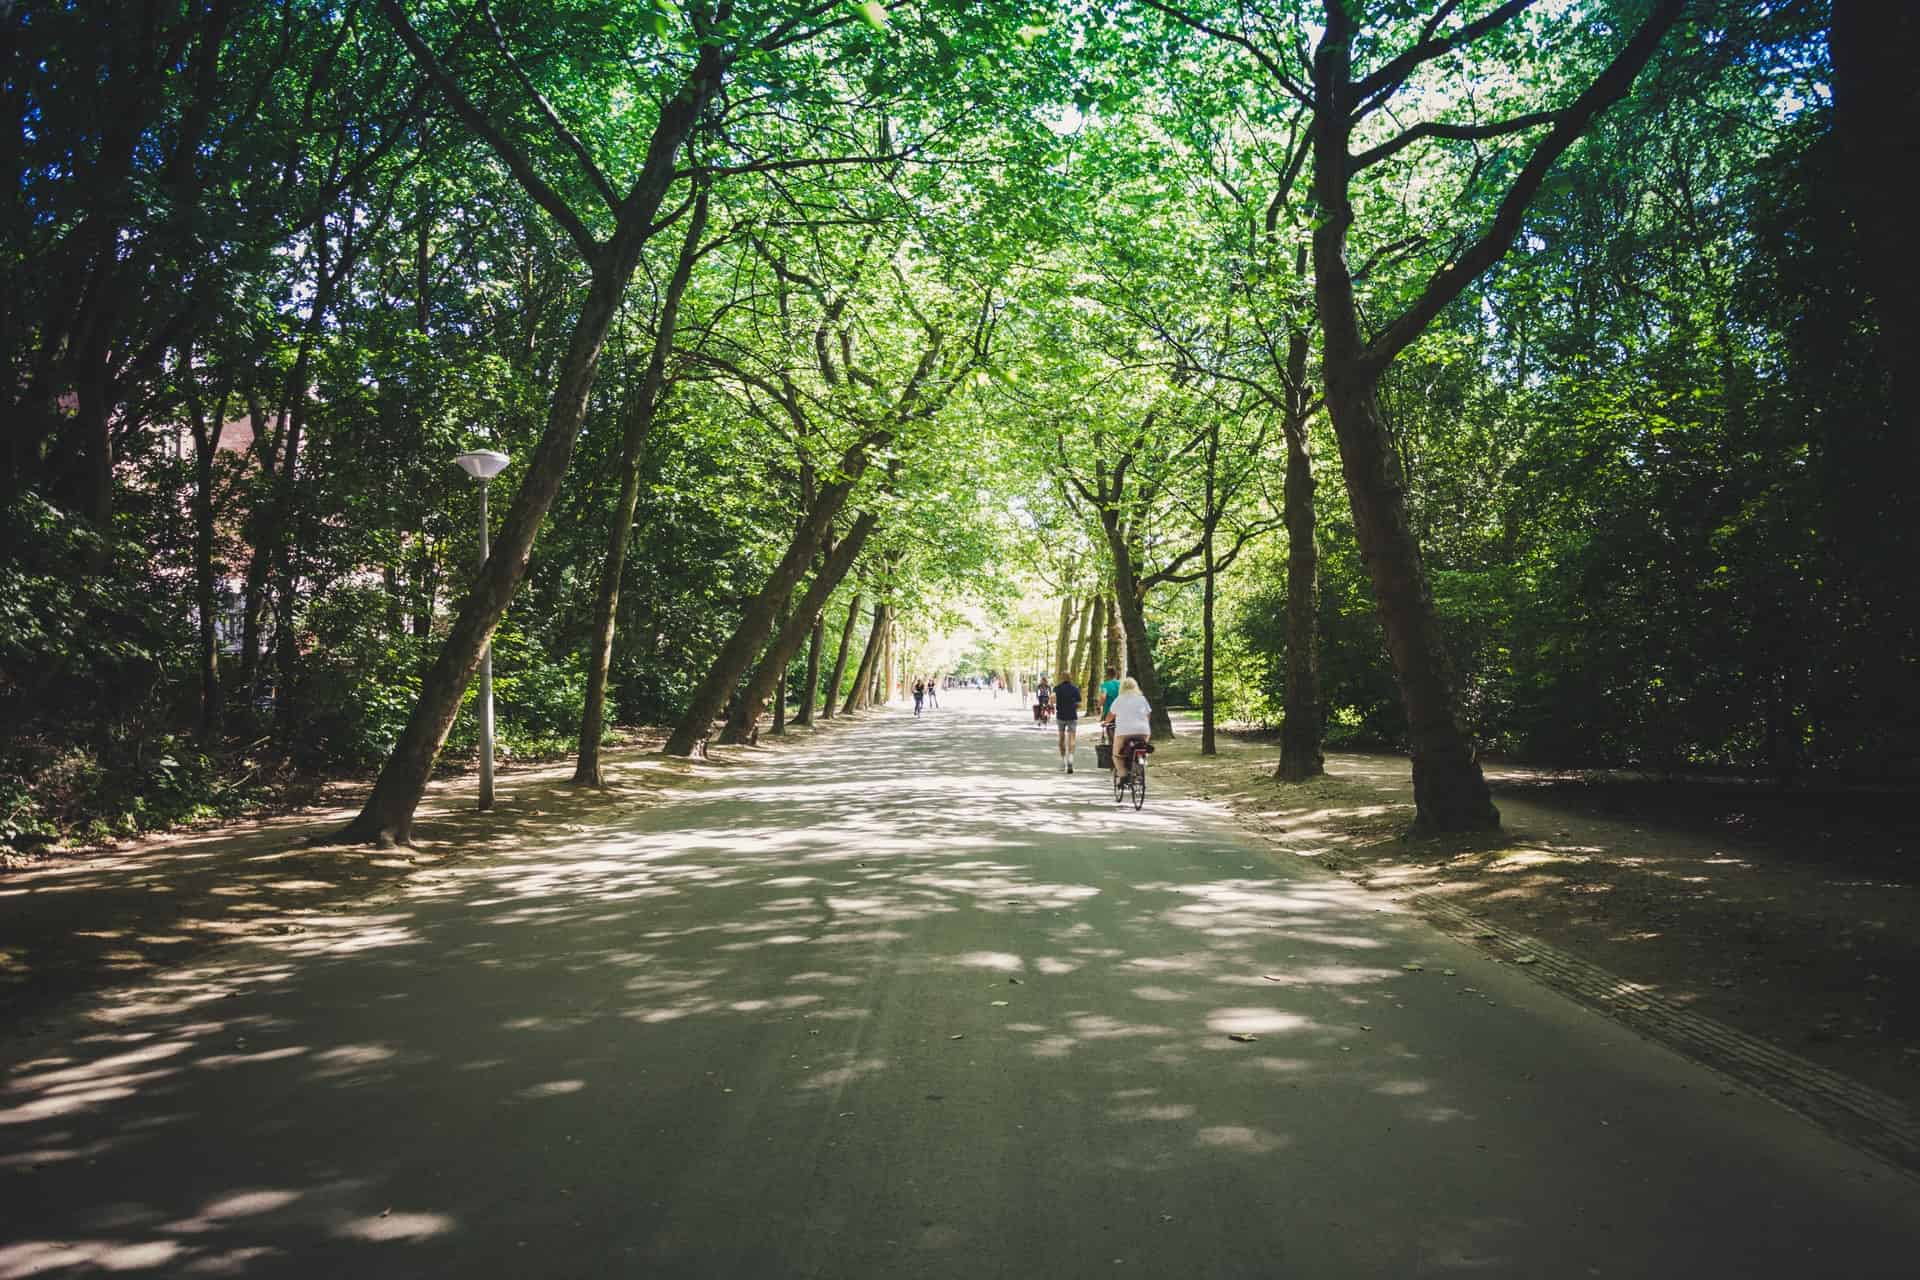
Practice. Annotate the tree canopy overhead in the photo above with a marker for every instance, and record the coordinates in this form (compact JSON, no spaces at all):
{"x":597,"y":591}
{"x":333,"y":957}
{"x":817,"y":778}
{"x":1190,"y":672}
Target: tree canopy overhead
{"x":1425,"y":374}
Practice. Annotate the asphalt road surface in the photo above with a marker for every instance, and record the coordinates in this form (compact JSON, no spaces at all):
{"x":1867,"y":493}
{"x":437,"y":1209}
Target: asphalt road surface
{"x":908,"y":1003}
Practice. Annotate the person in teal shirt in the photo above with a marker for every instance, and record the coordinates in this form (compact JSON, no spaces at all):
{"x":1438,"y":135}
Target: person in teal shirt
{"x":1109,"y":688}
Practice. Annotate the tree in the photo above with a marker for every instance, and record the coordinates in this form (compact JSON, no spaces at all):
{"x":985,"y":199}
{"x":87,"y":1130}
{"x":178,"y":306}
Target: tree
{"x":387,"y":816}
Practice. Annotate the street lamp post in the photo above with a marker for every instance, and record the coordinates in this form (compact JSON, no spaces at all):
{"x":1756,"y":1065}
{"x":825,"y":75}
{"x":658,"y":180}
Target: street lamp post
{"x":483,"y":465}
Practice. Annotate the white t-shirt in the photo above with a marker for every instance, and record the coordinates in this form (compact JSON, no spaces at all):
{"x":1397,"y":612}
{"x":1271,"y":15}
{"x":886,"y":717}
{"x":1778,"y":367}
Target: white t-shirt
{"x":1130,"y":712}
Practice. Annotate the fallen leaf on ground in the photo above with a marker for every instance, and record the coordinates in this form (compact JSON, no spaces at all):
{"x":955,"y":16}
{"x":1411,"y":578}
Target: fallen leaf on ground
{"x":1414,"y":968}
{"x":1447,"y":973}
{"x":999,"y":1004}
{"x":1273,"y":977}
{"x":1242,"y":1037}
{"x":1525,"y":960}
{"x":1013,"y":982}
{"x":960,"y":1037}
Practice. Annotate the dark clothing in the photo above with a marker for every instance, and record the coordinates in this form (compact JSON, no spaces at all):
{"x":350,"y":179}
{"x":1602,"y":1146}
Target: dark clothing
{"x":1066,"y":700}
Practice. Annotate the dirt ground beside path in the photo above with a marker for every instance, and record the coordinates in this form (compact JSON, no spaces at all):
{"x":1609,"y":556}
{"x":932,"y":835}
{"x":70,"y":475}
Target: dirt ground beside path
{"x":77,"y":921}
{"x":1804,"y":937}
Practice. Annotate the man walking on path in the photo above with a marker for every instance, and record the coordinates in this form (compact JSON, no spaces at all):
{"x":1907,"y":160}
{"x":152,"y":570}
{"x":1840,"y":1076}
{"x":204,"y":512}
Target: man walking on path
{"x":1066,"y":706}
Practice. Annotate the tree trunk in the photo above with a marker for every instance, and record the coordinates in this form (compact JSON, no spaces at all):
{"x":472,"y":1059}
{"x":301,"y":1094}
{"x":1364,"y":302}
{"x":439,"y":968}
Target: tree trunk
{"x":884,"y":693}
{"x":387,"y":817}
{"x":1116,"y":639}
{"x":758,"y":619}
{"x":1450,"y":792}
{"x":832,"y":699}
{"x":1300,"y":725}
{"x":786,"y":644}
{"x":1207,"y":747}
{"x":810,"y":695}
{"x":1096,"y":641}
{"x":1138,"y":656}
{"x":779,"y":693}
{"x":206,"y":438}
{"x":606,"y":605}
{"x":1209,"y":571}
{"x":1076,"y":663}
{"x":1063,"y":637}
{"x":859,"y":695}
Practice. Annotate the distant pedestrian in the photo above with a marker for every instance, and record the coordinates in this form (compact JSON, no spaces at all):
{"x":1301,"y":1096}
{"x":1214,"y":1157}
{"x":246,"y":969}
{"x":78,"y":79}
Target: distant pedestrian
{"x":919,"y":695}
{"x":933,"y":692}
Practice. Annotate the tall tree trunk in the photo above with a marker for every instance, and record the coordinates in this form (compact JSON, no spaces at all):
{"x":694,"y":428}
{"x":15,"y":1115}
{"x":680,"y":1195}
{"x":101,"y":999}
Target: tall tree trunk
{"x":786,"y":644}
{"x":816,"y":641}
{"x":1116,"y":639}
{"x":1300,"y":725}
{"x":1133,"y":622}
{"x":1207,"y":747}
{"x":1062,"y":637}
{"x":832,"y":699}
{"x":387,"y":817}
{"x":606,"y":605}
{"x":1096,"y":642}
{"x":883,"y":694}
{"x":1083,"y":640}
{"x":94,"y":432}
{"x":206,"y":439}
{"x":780,"y":689}
{"x":1209,"y":571}
{"x":1450,"y":792}
{"x":861,"y":693}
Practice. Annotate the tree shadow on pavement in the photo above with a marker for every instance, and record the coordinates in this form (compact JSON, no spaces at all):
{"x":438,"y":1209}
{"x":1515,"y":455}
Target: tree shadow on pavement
{"x":912,"y":1003}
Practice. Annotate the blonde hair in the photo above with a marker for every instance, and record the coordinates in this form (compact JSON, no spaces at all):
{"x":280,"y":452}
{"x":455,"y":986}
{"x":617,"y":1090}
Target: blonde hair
{"x":1129,"y":685}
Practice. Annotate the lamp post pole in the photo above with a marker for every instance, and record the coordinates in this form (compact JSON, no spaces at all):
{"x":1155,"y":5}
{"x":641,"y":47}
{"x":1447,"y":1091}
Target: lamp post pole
{"x":483,"y":465}
{"x":486,"y":678}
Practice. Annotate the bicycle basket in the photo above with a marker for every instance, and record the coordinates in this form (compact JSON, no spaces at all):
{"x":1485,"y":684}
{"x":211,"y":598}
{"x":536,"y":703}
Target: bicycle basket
{"x":1104,"y":754}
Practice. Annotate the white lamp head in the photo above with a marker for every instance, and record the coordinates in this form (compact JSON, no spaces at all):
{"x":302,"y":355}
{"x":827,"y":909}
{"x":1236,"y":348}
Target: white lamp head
{"x":483,"y":464}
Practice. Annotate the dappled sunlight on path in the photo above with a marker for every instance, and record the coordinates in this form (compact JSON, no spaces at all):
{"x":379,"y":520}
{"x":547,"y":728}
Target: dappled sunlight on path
{"x":907,"y":1001}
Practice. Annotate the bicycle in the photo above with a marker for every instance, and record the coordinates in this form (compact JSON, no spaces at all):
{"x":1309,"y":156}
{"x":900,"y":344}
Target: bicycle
{"x":1132,"y":783}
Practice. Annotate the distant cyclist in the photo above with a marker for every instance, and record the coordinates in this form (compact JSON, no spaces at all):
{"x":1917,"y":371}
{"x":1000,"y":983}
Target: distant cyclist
{"x":1129,"y":715}
{"x":1066,"y":707}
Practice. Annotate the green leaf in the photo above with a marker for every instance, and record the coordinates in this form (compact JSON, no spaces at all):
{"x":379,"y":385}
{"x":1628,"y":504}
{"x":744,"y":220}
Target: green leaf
{"x":870,"y":12}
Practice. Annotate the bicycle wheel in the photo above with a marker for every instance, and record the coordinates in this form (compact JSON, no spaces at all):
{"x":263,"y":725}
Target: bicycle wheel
{"x":1137,"y":782}
{"x":1120,"y":787}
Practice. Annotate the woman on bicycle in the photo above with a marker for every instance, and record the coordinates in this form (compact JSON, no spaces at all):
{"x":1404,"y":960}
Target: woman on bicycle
{"x":1129,"y":715}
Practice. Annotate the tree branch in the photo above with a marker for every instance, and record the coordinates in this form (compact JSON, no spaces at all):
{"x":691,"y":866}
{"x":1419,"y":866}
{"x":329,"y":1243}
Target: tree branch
{"x":1266,"y":60}
{"x":573,"y":143}
{"x":1387,"y":79}
{"x":1452,"y":132}
{"x":1448,"y":282}
{"x":477,"y":120}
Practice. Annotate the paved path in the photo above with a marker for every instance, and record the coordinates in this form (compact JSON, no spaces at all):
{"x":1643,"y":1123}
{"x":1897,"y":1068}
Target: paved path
{"x":911,"y":1003}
